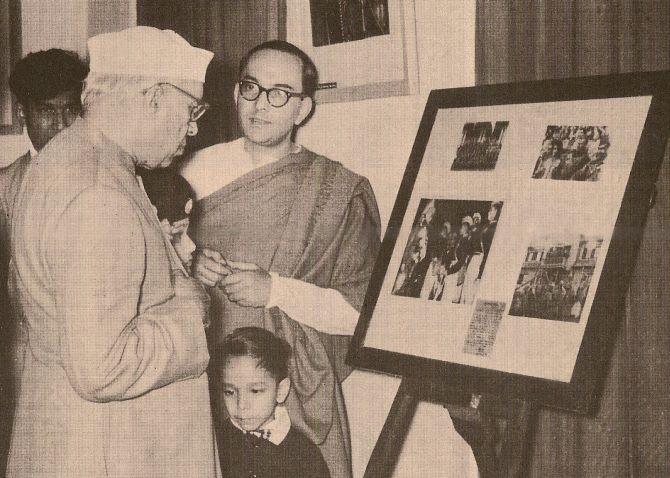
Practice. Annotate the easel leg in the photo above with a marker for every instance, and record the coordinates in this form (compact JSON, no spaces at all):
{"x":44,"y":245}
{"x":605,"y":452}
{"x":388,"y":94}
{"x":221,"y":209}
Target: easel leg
{"x":389,"y":444}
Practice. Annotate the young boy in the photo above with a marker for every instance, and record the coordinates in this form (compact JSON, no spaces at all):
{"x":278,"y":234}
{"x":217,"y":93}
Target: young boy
{"x":250,"y":373}
{"x":172,"y":197}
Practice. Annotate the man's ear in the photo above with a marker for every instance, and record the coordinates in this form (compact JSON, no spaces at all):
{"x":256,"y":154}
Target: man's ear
{"x":21,"y":113}
{"x":236,"y":93}
{"x":282,"y":390}
{"x":306,"y":106}
{"x":153,"y":96}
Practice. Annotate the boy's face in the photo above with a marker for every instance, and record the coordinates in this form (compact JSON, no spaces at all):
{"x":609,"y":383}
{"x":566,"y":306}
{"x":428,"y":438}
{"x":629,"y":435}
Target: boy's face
{"x":261,"y":122}
{"x":250,"y":392}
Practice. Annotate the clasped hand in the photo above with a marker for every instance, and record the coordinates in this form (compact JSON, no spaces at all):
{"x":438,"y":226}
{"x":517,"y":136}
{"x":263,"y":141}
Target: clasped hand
{"x":243,"y":283}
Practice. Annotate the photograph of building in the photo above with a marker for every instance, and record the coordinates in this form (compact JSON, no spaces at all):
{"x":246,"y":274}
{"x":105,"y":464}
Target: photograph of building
{"x":555,"y":278}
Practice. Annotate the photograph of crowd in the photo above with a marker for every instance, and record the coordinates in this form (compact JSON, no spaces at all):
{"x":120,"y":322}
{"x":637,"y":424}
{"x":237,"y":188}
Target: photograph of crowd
{"x":555,"y":278}
{"x":339,"y":21}
{"x":480,"y":146}
{"x":574,"y":153}
{"x":447,"y":250}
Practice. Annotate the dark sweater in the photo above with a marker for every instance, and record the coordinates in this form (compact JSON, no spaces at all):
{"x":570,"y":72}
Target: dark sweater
{"x":247,"y":456}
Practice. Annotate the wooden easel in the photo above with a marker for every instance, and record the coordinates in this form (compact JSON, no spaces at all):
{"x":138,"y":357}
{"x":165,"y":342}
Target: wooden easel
{"x":503,"y":427}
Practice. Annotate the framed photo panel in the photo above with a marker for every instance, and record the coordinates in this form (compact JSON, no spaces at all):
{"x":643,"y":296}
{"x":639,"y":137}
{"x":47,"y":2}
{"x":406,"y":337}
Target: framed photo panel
{"x":513,"y":237}
{"x":362,"y":49}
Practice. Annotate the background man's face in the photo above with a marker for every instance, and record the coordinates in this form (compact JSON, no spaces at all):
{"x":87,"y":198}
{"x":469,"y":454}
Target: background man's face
{"x":262,"y":123}
{"x":581,"y":140}
{"x":44,"y":119}
{"x":493,"y":212}
{"x":546,"y":146}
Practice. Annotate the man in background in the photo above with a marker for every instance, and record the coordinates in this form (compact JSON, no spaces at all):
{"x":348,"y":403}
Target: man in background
{"x":47,"y":87}
{"x":114,"y":383}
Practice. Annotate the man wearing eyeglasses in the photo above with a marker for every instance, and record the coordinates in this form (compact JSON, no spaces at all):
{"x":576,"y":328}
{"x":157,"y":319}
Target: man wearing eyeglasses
{"x":287,"y":239}
{"x":114,"y":384}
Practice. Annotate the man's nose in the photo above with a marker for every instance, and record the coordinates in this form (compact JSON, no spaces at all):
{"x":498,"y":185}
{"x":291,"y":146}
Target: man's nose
{"x":242,"y":401}
{"x":192,"y":129}
{"x":263,"y":102}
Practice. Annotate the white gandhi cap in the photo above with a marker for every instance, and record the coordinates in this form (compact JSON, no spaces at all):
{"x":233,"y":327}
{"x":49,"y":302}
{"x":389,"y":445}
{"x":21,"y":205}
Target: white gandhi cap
{"x":149,"y":52}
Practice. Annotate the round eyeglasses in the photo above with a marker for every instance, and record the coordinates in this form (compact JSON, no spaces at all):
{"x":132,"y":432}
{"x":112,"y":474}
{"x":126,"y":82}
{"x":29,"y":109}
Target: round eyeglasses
{"x":277,"y":97}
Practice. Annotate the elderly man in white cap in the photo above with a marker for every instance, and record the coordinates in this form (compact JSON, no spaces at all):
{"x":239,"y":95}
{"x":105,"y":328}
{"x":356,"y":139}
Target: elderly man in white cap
{"x":114,"y":384}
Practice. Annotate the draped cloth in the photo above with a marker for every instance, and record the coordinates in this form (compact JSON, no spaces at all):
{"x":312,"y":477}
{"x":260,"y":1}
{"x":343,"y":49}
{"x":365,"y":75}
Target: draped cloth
{"x":308,"y":218}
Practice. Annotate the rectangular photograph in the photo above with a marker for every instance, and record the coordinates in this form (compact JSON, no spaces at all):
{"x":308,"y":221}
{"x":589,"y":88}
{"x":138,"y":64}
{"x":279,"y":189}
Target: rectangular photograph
{"x":447,"y":249}
{"x":362,"y":49}
{"x":480,"y":146}
{"x":572,"y":153}
{"x":555,"y":277}
{"x":339,"y":21}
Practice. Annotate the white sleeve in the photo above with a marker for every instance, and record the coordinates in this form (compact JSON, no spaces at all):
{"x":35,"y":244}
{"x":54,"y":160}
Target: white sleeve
{"x":325,"y":310}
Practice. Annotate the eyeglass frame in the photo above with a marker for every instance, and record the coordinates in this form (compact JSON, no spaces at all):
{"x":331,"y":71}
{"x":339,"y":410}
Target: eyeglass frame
{"x":197,"y":110}
{"x":261,"y":89}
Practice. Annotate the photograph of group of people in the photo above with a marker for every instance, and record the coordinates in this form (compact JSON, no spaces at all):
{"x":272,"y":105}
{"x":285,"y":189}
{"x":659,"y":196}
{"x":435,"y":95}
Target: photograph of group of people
{"x":447,"y":250}
{"x":574,"y":153}
{"x":480,"y":146}
{"x":555,"y":278}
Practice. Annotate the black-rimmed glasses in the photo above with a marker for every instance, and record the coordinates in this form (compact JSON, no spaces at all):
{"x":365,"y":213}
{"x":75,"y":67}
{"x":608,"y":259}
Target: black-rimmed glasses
{"x":277,"y":97}
{"x":198,"y":109}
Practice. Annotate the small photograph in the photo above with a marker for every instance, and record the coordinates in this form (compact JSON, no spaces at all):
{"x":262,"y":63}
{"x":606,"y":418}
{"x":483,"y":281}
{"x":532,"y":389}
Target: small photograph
{"x":555,"y":278}
{"x":339,"y":21}
{"x":480,"y":146}
{"x":572,"y":153}
{"x":447,"y":250}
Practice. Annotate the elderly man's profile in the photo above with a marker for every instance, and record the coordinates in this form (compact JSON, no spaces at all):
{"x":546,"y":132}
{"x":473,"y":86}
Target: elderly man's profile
{"x":114,"y":383}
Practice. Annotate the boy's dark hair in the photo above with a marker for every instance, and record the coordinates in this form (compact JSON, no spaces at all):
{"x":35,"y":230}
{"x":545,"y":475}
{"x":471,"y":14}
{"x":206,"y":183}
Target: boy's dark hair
{"x":271,"y":352}
{"x":46,"y":74}
{"x":310,"y":76}
{"x":168,"y":191}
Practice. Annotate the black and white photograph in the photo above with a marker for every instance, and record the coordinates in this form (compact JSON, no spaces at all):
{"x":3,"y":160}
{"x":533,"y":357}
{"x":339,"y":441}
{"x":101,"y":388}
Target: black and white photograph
{"x":339,"y":21}
{"x":480,"y":146}
{"x":555,"y":278}
{"x":334,"y":239}
{"x":572,"y":153}
{"x":447,"y":250}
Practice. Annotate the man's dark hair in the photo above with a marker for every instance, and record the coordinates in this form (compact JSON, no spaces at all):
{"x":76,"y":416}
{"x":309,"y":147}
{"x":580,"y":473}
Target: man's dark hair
{"x":271,"y":352}
{"x":46,"y":74}
{"x":310,"y":76}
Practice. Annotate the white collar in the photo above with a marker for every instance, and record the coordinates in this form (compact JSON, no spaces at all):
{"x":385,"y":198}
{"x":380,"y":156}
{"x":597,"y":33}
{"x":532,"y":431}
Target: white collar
{"x":275,"y":430}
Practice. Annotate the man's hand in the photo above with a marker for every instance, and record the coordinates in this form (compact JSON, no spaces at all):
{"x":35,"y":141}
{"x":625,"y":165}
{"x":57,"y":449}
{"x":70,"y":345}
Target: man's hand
{"x":248,"y":285}
{"x":209,"y":267}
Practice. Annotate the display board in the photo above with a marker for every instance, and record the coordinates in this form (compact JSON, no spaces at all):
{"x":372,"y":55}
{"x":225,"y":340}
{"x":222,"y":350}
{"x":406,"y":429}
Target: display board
{"x":507,"y":258}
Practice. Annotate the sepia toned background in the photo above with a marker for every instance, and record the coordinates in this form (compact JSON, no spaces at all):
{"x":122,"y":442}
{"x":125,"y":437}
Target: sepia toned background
{"x":458,"y":43}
